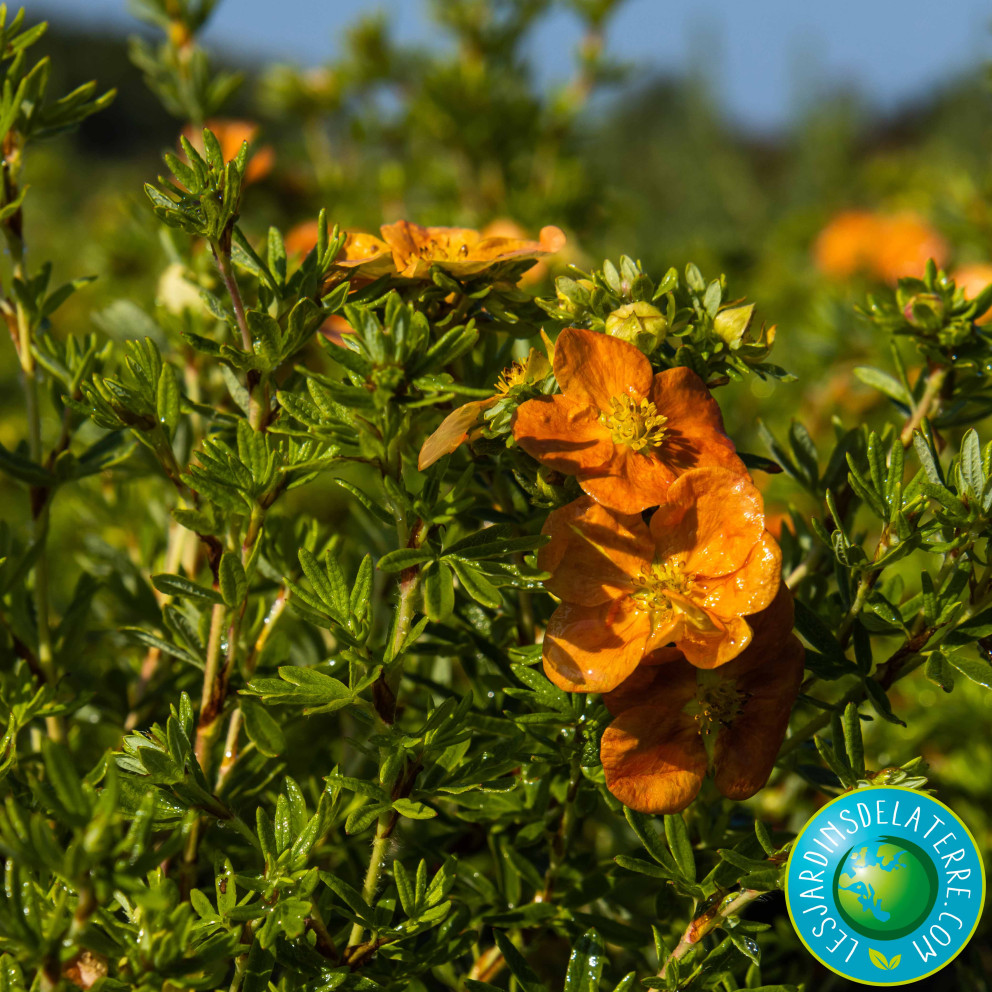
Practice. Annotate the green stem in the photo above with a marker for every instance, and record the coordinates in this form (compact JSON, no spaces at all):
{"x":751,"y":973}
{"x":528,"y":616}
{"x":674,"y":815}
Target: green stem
{"x":39,"y":516}
{"x":258,"y":387}
{"x":384,"y":827}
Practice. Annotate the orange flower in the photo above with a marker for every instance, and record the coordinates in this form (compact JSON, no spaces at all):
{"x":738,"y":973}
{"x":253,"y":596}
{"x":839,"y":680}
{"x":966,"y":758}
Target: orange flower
{"x":232,"y":134}
{"x":301,"y":239}
{"x":844,"y":246}
{"x":465,"y":423}
{"x":334,"y":329}
{"x":906,"y":244}
{"x":886,"y":246}
{"x":674,"y":723}
{"x":690,"y":578}
{"x":623,"y":431}
{"x":459,"y":250}
{"x":971,"y":280}
{"x":504,"y":227}
{"x":364,"y":253}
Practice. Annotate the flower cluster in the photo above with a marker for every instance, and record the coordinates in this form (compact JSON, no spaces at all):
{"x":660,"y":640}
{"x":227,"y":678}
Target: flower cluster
{"x":668,"y":579}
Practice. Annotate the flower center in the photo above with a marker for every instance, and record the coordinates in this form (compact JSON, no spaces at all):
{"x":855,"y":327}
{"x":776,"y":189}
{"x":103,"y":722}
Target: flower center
{"x":717,"y":702}
{"x":654,"y":587}
{"x":510,"y":377}
{"x":637,"y":425}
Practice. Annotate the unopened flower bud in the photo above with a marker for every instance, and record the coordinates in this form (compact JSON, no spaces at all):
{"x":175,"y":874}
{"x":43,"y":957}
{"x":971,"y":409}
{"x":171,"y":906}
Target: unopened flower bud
{"x":573,"y":294}
{"x":642,"y":324}
{"x":730,"y":324}
{"x":925,"y":311}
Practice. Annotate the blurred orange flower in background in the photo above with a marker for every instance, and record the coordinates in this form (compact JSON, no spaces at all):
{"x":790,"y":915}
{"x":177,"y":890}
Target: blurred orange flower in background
{"x":884,"y":246}
{"x":972,"y":279}
{"x":623,"y":431}
{"x":690,"y":577}
{"x":673,"y":722}
{"x":231,"y":135}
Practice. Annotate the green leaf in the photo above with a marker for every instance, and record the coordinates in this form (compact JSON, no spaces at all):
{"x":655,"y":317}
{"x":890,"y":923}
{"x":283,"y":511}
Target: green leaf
{"x":231,"y":579}
{"x":643,"y":827}
{"x":167,"y":399}
{"x":262,"y":729}
{"x":881,"y":702}
{"x":970,"y":465}
{"x":475,"y":583}
{"x":327,"y":585}
{"x":976,"y":669}
{"x":518,"y":966}
{"x":302,"y":686}
{"x":413,"y":810}
{"x":886,"y":384}
{"x":397,"y":561}
{"x":852,"y":739}
{"x":439,"y":591}
{"x":819,"y":635}
{"x":677,"y":834}
{"x":585,"y":965}
{"x":938,"y":671}
{"x":64,"y":779}
{"x":182,"y":588}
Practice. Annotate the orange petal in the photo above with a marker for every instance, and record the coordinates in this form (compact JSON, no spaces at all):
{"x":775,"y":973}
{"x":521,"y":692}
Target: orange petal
{"x":592,"y":368}
{"x":710,"y":520}
{"x":745,"y":752}
{"x":593,"y":553}
{"x":714,"y":641}
{"x":594,"y":648}
{"x":632,"y":481}
{"x":654,"y":761}
{"x":367,"y":252}
{"x":751,"y":588}
{"x":664,"y":680}
{"x":563,"y":434}
{"x":694,"y":436}
{"x":452,"y":432}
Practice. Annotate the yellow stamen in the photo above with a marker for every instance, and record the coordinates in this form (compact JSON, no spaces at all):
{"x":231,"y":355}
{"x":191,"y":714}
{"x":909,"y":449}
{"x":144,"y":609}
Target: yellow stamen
{"x":637,"y":425}
{"x":512,"y":376}
{"x":718,"y":702}
{"x":655,"y":586}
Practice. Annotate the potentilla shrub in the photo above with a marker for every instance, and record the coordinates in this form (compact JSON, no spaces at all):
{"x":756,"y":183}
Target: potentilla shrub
{"x":369,"y":622}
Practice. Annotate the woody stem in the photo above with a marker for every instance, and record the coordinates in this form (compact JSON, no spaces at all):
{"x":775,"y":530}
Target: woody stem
{"x":706,"y":923}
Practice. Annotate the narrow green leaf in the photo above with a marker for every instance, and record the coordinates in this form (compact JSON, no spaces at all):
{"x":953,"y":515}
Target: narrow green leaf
{"x":232,"y":580}
{"x":677,"y":834}
{"x":585,"y":964}
{"x":262,"y":729}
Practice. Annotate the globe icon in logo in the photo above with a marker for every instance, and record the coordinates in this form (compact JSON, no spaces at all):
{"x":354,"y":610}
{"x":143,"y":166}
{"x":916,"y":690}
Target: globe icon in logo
{"x":885,"y":887}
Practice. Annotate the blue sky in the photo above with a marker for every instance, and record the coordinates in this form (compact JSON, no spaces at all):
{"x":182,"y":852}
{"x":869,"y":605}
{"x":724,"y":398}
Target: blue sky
{"x":764,"y":58}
